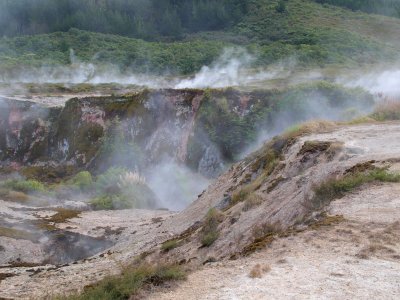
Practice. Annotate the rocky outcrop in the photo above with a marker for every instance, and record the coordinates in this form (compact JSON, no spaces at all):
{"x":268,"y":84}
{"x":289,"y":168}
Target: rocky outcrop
{"x":203,"y":129}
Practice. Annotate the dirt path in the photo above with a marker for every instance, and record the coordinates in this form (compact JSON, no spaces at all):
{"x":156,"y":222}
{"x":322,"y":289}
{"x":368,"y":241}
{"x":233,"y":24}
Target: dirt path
{"x":356,"y":259}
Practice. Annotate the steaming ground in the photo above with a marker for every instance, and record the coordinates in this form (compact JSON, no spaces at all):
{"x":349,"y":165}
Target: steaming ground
{"x":234,"y":68}
{"x":356,"y":258}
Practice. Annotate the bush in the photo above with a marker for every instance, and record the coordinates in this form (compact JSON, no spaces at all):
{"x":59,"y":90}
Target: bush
{"x":25,"y":186}
{"x":169,"y":245}
{"x":130,"y":282}
{"x":109,"y":180}
{"x":210,"y":233}
{"x":83,"y":180}
{"x":109,"y":202}
{"x":119,"y":189}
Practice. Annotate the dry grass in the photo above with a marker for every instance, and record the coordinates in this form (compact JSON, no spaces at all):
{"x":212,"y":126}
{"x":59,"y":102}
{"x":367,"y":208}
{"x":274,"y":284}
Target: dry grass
{"x":263,"y":235}
{"x":209,"y":233}
{"x":316,"y":126}
{"x":63,"y":215}
{"x":257,"y":271}
{"x":387,"y":110}
{"x":334,"y":188}
{"x":169,"y":245}
{"x":17,"y":234}
{"x":17,"y":197}
{"x":252,"y":201}
{"x":374,"y":249}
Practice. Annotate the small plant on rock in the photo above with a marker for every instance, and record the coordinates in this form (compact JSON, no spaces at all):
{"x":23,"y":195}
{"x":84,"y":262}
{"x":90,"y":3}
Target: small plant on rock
{"x":210,"y":232}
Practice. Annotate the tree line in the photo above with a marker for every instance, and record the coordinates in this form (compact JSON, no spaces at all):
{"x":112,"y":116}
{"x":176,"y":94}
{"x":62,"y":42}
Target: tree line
{"x":385,"y":7}
{"x":147,"y":19}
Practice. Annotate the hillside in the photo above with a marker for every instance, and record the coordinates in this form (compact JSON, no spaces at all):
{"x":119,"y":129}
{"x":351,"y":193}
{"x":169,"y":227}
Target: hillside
{"x":311,"y":33}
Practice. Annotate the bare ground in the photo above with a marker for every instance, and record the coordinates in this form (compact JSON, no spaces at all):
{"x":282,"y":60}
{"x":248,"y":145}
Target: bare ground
{"x":356,"y":259}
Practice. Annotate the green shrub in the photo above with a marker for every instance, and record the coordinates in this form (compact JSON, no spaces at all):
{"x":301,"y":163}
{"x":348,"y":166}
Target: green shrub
{"x":130,"y":282}
{"x":209,"y":233}
{"x":209,"y":238}
{"x":109,"y":180}
{"x":119,"y":189}
{"x":83,"y":180}
{"x":109,"y":202}
{"x":25,"y":186}
{"x":169,"y":245}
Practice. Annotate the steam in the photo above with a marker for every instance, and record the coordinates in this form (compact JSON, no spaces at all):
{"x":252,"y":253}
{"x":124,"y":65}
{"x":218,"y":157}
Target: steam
{"x":379,"y":82}
{"x":84,"y":72}
{"x":175,"y":184}
{"x":232,"y":68}
{"x":315,"y":107}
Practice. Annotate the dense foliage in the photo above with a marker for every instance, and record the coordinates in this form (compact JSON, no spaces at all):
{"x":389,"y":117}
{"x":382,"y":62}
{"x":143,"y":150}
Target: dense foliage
{"x":135,"y":18}
{"x":386,"y":7}
{"x":305,"y":31}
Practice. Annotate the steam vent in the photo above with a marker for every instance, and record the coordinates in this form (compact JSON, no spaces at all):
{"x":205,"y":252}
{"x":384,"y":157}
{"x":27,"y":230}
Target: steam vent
{"x":199,"y":149}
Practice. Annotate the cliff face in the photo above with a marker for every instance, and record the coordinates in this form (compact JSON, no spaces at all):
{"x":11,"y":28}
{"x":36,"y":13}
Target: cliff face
{"x":24,"y":131}
{"x":203,"y":129}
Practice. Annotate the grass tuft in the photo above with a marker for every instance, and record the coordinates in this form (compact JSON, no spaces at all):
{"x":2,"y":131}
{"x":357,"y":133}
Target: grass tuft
{"x":25,"y":186}
{"x":169,"y":245}
{"x":388,"y":110}
{"x":210,"y":233}
{"x":129,"y":283}
{"x":334,"y":188}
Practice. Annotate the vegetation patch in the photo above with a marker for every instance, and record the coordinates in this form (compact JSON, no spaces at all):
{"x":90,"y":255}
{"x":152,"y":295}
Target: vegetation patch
{"x":252,"y":201}
{"x":263,"y":235}
{"x":118,"y":188}
{"x":63,"y":215}
{"x":388,"y":110}
{"x":48,"y":173}
{"x":257,"y":271}
{"x":24,"y":186}
{"x":83,"y":180}
{"x":334,"y":188}
{"x":17,"y":234}
{"x":13,"y":196}
{"x":169,"y":245}
{"x":310,"y":147}
{"x":209,"y":233}
{"x":130,"y":282}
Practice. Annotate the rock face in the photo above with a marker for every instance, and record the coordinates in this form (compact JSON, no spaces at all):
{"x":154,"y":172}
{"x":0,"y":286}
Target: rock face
{"x":203,"y":129}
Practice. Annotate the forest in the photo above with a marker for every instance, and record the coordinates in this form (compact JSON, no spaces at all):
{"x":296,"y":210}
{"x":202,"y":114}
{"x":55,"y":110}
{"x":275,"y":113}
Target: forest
{"x":385,"y":7}
{"x":147,"y":19}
